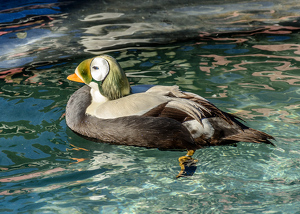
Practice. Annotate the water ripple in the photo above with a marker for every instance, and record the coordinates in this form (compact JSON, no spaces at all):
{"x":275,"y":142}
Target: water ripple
{"x":244,"y":57}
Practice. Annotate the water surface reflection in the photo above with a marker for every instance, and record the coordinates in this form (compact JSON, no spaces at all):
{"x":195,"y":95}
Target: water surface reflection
{"x":232,"y":54}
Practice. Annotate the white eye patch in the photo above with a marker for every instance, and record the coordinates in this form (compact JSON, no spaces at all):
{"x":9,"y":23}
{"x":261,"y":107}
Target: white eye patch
{"x":99,"y":68}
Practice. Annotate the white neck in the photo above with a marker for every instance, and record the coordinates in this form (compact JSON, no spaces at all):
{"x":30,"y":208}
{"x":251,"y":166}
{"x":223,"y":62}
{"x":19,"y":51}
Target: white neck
{"x":97,"y":99}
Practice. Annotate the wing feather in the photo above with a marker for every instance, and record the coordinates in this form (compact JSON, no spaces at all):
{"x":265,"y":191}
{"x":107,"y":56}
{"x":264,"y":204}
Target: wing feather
{"x":187,"y":105}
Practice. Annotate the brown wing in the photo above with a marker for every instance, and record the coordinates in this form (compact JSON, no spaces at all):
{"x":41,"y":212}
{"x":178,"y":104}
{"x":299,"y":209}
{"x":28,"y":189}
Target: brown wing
{"x":210,"y":109}
{"x":184,"y":106}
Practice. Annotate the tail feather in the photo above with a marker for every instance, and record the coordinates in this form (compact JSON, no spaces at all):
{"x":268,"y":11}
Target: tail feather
{"x":251,"y":135}
{"x":225,"y":133}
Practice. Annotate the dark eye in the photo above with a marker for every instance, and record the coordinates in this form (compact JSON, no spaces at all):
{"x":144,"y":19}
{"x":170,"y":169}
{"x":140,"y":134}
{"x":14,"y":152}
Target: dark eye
{"x":95,"y":67}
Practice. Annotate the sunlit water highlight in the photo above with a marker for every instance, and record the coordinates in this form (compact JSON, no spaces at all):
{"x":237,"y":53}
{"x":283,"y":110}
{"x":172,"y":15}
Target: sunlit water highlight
{"x":46,"y":168}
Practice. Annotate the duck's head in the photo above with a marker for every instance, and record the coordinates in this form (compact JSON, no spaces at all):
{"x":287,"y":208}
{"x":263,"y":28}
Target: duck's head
{"x":105,"y":72}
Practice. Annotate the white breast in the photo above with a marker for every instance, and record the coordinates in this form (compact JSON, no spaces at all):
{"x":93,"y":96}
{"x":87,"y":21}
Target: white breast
{"x":97,"y":99}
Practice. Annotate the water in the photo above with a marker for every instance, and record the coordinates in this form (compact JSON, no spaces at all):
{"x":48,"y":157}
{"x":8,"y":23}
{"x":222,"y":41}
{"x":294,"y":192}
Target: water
{"x":46,"y":168}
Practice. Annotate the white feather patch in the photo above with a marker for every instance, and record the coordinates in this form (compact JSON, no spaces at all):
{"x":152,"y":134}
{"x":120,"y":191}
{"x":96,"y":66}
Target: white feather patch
{"x":198,"y":130}
{"x":99,"y":68}
{"x":97,"y":99}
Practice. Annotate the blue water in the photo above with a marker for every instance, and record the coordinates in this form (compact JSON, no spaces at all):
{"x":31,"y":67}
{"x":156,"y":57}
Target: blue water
{"x":250,"y":69}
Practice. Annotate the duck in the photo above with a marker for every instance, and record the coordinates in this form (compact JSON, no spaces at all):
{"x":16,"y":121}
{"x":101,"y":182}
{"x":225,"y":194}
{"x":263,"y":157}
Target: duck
{"x":108,"y":110}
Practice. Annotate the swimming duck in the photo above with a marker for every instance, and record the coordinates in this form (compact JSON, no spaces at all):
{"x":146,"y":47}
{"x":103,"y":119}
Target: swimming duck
{"x":107,"y":109}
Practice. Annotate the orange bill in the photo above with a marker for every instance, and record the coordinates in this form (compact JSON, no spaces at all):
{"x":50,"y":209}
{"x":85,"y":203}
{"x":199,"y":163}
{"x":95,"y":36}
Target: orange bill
{"x":75,"y":78}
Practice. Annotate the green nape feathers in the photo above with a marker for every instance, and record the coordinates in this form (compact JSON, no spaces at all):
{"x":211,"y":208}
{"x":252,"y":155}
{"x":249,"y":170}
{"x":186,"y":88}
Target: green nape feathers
{"x":115,"y":85}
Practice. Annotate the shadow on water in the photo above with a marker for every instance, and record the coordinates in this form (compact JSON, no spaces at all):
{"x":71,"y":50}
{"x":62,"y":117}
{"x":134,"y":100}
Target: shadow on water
{"x":241,"y":55}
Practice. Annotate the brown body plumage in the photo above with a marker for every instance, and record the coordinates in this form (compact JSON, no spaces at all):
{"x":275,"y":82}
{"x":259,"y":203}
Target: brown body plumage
{"x":163,"y":126}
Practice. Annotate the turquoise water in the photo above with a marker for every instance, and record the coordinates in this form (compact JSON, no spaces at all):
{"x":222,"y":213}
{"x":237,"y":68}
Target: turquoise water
{"x":46,"y":168}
